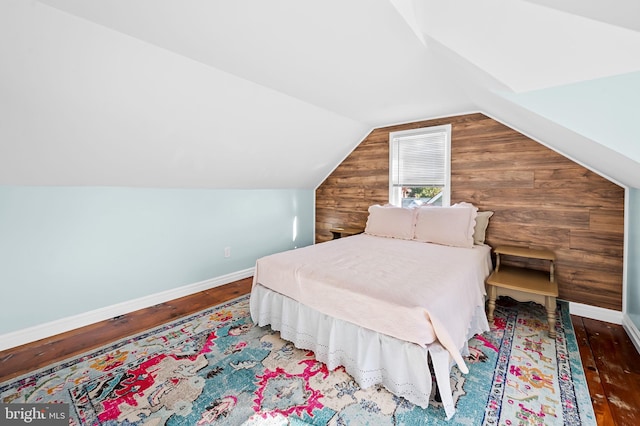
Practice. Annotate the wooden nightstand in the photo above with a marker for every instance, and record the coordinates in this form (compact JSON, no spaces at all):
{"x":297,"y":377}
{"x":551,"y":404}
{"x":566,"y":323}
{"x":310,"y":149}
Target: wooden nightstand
{"x":524,"y":284}
{"x":345,"y":232}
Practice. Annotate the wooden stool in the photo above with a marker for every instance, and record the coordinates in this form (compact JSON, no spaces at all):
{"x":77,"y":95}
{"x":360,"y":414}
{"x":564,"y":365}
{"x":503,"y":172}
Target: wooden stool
{"x":524,"y":284}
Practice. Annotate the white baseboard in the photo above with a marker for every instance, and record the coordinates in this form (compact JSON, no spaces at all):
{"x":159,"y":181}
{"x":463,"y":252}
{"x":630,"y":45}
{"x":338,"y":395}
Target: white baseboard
{"x":596,"y":313}
{"x":42,"y":331}
{"x":632,"y":331}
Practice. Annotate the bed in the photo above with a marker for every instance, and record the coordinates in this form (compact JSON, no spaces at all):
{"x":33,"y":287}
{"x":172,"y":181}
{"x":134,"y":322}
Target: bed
{"x":383,"y":303}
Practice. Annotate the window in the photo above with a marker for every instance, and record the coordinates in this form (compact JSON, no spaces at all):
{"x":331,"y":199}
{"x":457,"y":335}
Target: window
{"x":419,"y":166}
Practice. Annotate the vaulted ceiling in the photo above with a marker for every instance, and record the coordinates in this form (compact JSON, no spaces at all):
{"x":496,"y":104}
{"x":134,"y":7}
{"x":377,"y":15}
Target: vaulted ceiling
{"x":273,"y":94}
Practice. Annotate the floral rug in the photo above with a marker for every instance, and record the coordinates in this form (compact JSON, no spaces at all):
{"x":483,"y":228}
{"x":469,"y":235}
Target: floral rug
{"x":217,"y":367}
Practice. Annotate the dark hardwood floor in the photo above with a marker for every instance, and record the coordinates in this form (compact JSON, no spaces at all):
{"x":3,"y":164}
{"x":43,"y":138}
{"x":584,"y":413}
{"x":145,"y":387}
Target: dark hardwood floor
{"x":611,"y":362}
{"x":22,"y":359}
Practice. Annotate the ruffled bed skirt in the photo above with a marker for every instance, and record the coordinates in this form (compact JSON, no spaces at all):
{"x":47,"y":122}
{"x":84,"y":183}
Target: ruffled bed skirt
{"x":370,"y":357}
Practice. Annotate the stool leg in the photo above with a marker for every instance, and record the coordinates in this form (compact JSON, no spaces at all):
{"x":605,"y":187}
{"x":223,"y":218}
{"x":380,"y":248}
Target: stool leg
{"x":492,"y":303}
{"x":551,"y":315}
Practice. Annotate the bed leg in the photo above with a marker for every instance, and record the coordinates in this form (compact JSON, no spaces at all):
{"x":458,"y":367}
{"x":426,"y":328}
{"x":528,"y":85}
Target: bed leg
{"x":441,"y":361}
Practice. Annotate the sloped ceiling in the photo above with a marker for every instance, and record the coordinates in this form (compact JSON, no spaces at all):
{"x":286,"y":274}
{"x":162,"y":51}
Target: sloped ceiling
{"x":255,"y":94}
{"x":567,"y":73}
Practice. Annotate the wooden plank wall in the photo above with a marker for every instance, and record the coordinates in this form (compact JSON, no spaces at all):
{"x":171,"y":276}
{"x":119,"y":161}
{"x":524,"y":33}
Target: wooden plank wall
{"x":540,"y":199}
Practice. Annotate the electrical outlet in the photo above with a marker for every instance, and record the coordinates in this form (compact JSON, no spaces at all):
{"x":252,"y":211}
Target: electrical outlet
{"x":227,"y":252}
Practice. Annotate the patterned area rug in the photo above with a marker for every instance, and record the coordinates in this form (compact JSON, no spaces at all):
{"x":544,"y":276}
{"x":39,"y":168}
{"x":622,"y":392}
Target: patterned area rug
{"x":217,"y":367}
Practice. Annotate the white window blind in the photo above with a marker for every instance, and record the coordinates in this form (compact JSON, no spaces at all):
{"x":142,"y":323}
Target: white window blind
{"x":419,"y":160}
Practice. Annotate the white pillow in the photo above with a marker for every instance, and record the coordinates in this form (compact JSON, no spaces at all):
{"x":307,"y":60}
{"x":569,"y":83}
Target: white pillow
{"x":392,"y":222}
{"x":482,"y":222}
{"x":450,"y":226}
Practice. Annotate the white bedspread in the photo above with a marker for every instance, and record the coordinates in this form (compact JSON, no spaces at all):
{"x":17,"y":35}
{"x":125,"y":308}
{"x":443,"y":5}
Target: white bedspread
{"x":413,"y":291}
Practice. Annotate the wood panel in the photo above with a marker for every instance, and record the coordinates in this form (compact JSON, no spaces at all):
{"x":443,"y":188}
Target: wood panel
{"x":540,"y":199}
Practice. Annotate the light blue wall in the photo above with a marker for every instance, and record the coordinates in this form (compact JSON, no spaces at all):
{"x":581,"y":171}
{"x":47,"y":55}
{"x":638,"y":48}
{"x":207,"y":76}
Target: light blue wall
{"x":69,"y":250}
{"x":633,"y":257}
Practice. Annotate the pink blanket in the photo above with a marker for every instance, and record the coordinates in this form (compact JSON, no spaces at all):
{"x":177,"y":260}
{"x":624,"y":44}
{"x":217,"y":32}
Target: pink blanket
{"x":413,"y":291}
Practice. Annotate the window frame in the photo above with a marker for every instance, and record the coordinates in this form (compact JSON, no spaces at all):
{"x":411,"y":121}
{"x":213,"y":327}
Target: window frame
{"x":395,"y":196}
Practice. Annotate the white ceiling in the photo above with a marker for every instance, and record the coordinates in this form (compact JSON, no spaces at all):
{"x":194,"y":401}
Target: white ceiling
{"x":529,"y":47}
{"x":255,"y":94}
{"x":621,"y":13}
{"x":357,"y":58}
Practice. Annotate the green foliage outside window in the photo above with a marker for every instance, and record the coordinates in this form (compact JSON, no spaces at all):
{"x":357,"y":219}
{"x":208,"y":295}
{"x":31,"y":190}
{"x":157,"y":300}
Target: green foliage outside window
{"x":422,"y":192}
